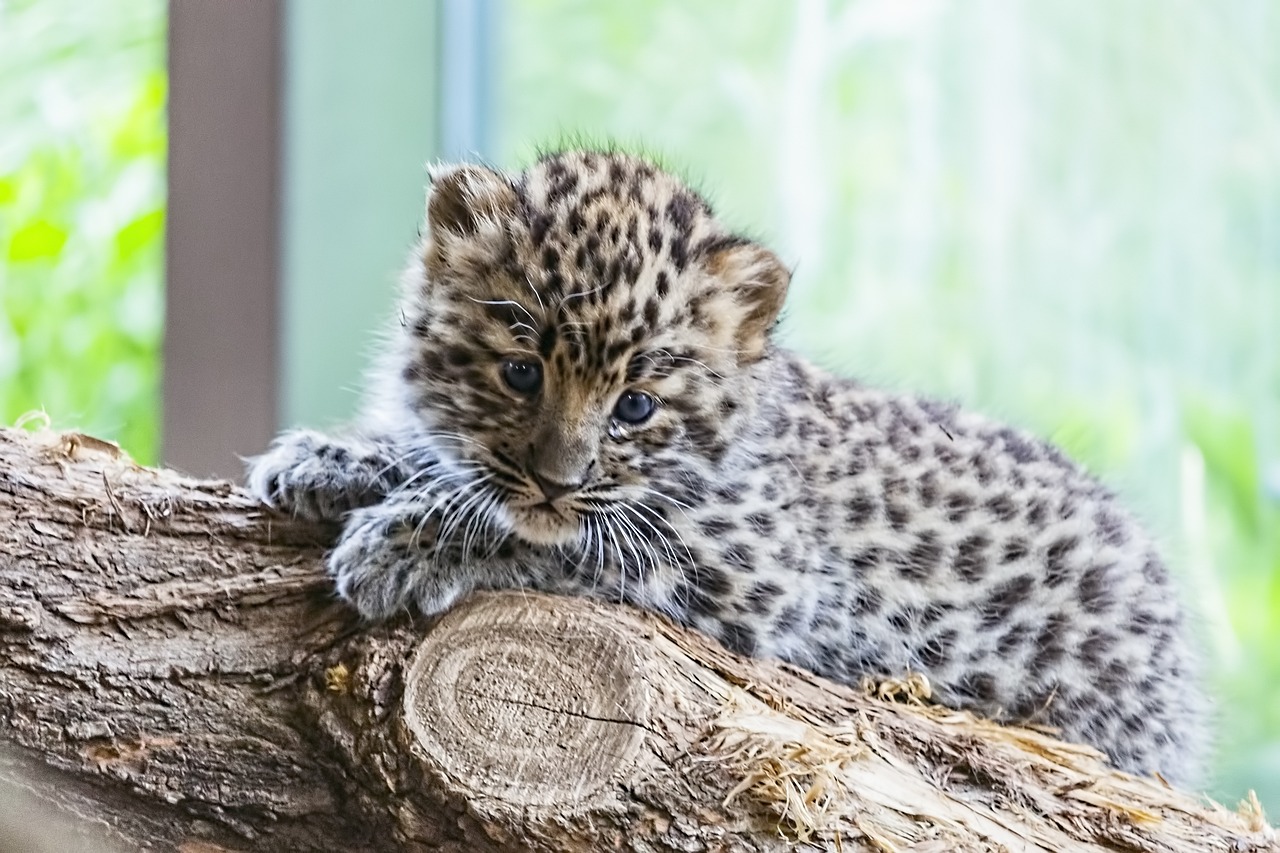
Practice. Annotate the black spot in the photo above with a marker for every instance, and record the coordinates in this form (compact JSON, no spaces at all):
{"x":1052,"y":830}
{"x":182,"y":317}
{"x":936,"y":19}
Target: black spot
{"x":739,"y":638}
{"x":1018,"y":447}
{"x":934,"y":653}
{"x":869,"y":559}
{"x":738,"y":556}
{"x":720,"y":242}
{"x":977,"y":686}
{"x":1116,"y":677}
{"x":1005,"y":599}
{"x":663,"y":283}
{"x":862,"y":509}
{"x":1051,"y":643}
{"x":762,"y":523}
{"x":762,"y":595}
{"x":1153,"y":571}
{"x":958,"y":506}
{"x":1030,"y":706}
{"x":928,"y":488}
{"x":680,"y":211}
{"x":538,"y":227}
{"x":1111,"y":527}
{"x":698,"y":601}
{"x":1012,"y":640}
{"x":1095,"y":597}
{"x":651,"y":308}
{"x":458,"y":357}
{"x":787,"y":620}
{"x":679,"y":252}
{"x":1036,"y":514}
{"x":935,"y":612}
{"x":717,"y":527}
{"x":1002,"y":507}
{"x":866,"y":601}
{"x":1014,"y":550}
{"x":971,"y":557}
{"x":1096,"y":647}
{"x":1056,"y":568}
{"x":547,"y":341}
{"x":413,"y":372}
{"x":899,"y":516}
{"x":714,"y":581}
{"x":922,"y":559}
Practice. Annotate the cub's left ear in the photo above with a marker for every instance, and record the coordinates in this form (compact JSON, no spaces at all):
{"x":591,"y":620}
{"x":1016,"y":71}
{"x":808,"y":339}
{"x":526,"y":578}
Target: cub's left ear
{"x":757,"y":283}
{"x":466,"y":200}
{"x":468,"y":208}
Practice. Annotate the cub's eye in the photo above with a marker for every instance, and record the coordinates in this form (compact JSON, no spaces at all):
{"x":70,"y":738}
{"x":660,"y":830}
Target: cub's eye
{"x":522,"y":376}
{"x":634,"y":407}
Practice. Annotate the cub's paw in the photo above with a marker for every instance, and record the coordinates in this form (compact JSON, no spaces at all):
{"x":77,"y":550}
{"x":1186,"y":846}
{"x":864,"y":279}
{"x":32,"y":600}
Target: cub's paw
{"x":312,"y":476}
{"x":381,"y":566}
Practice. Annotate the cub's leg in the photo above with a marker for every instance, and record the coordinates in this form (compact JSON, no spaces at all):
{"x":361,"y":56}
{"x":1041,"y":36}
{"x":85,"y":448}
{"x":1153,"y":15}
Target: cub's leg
{"x":390,"y":559}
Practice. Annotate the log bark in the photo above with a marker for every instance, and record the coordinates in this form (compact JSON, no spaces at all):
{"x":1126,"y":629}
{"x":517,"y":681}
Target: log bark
{"x":175,"y":673}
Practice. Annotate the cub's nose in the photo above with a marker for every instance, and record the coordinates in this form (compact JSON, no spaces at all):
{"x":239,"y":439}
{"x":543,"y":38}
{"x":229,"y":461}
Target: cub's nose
{"x":552,"y":489}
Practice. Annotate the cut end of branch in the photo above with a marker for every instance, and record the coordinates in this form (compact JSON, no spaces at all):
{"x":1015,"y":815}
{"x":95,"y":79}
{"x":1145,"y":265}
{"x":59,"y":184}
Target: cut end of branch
{"x":549,"y":707}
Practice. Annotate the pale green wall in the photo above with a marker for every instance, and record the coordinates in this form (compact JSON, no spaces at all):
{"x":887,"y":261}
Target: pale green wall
{"x":360,"y":83}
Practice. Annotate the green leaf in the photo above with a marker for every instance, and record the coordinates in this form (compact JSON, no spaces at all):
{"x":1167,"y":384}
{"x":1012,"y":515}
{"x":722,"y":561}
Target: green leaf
{"x":139,"y":234}
{"x":1225,"y":437}
{"x":37,"y":240}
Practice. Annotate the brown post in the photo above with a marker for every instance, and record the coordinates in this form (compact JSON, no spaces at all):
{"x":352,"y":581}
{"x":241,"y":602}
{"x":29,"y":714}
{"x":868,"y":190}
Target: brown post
{"x":222,"y":247}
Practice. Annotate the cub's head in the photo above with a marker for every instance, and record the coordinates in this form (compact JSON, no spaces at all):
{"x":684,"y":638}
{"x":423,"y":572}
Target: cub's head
{"x":576,"y":329}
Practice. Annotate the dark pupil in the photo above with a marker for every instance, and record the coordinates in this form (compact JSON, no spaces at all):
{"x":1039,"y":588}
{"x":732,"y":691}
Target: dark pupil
{"x":633,"y":407}
{"x":522,"y":376}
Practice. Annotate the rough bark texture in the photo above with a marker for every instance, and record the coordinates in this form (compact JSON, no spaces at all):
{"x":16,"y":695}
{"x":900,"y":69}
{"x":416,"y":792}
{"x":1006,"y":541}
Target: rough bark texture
{"x":174,"y":672}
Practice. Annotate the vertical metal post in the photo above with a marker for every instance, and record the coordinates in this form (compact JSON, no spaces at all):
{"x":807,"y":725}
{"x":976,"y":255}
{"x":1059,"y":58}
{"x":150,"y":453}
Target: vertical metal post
{"x":467,"y":58}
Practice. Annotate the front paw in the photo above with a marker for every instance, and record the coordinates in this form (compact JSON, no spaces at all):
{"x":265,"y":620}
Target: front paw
{"x":382,"y":566}
{"x":311,"y":476}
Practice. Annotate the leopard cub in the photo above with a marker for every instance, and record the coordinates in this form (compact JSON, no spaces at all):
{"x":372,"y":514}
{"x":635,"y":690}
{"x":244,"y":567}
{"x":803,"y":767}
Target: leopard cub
{"x":583,"y":396}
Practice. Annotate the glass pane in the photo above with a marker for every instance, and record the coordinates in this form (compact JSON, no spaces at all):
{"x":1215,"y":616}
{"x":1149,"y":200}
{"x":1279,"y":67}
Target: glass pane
{"x":1065,"y":214}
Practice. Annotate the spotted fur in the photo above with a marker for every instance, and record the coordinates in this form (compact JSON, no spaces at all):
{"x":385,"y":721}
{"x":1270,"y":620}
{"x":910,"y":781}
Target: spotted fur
{"x":788,"y":512}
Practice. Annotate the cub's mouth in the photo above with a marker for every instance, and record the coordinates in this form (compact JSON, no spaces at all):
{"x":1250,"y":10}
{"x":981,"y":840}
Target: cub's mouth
{"x":544,"y":523}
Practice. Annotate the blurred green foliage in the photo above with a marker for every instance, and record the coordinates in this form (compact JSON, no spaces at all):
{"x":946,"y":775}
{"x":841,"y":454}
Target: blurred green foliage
{"x":1063,"y":213}
{"x":82,"y":157}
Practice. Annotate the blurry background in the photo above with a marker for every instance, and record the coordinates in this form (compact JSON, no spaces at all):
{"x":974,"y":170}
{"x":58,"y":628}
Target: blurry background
{"x":1065,"y":214}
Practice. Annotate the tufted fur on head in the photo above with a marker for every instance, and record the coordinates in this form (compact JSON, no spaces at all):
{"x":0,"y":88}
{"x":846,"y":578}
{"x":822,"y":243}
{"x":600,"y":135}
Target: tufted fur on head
{"x":612,"y":277}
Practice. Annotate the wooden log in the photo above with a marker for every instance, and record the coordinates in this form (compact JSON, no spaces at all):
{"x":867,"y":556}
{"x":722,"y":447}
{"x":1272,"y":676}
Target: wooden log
{"x":175,"y":673}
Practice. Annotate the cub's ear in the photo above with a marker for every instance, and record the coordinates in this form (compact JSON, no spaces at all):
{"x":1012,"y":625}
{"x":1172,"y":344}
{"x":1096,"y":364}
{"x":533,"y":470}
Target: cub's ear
{"x":468,"y":211}
{"x":756,"y":283}
{"x":468,"y":201}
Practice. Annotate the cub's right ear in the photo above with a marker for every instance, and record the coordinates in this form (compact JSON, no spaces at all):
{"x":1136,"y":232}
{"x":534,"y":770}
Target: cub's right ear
{"x":469,"y":201}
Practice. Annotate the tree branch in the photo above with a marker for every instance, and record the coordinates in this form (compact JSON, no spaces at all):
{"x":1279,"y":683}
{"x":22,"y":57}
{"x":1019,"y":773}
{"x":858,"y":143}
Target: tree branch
{"x":174,"y":671}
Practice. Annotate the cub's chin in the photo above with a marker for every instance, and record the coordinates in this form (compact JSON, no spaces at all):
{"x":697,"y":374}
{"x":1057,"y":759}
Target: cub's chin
{"x":544,"y":525}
